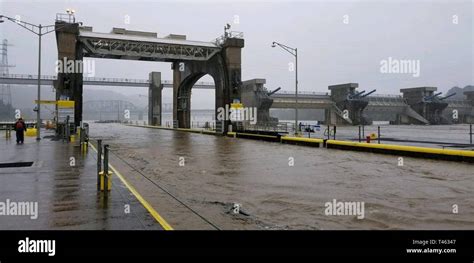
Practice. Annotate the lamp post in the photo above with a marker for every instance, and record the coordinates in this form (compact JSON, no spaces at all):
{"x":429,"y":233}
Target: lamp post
{"x":40,"y":31}
{"x":294,"y":52}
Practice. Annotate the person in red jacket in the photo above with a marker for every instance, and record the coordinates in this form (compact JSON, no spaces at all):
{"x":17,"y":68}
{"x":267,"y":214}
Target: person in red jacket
{"x":20,"y":128}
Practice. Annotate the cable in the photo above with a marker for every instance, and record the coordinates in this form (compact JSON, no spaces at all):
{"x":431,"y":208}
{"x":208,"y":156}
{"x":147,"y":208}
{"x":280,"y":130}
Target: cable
{"x":167,"y":192}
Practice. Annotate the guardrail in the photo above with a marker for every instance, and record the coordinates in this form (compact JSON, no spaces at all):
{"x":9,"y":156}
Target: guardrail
{"x":68,"y":18}
{"x":285,"y":127}
{"x":284,"y":92}
{"x":26,"y":76}
{"x":232,"y":34}
{"x":386,"y":95}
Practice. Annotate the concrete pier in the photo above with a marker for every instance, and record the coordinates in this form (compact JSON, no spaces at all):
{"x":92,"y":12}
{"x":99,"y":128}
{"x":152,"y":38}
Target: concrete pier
{"x":155,"y":99}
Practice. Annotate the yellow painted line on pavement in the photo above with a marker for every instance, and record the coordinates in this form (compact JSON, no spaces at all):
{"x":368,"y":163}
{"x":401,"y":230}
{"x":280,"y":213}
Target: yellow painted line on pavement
{"x":140,"y":198}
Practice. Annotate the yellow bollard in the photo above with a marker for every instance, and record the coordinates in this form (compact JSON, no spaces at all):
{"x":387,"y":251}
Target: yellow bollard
{"x":373,"y":136}
{"x":109,"y":181}
{"x":84,"y":147}
{"x":31,"y":132}
{"x":72,"y":138}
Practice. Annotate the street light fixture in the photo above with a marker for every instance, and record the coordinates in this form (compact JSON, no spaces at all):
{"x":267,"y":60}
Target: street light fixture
{"x":37,"y":30}
{"x":70,"y":13}
{"x":294,"y":52}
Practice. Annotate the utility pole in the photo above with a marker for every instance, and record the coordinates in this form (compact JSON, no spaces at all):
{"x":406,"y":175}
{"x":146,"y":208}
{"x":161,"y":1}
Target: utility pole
{"x":294,"y":52}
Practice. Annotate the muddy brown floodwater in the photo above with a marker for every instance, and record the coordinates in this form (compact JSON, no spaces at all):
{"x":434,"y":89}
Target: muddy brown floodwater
{"x":219,"y":171}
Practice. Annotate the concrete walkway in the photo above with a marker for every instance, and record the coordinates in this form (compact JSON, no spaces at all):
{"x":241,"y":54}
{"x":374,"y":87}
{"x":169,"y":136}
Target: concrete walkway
{"x":66,"y":195}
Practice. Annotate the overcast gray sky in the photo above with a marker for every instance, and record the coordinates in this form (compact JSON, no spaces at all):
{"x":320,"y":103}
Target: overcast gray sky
{"x":330,"y":51}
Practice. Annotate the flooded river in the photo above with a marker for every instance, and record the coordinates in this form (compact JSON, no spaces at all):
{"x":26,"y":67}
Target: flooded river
{"x":287,"y":187}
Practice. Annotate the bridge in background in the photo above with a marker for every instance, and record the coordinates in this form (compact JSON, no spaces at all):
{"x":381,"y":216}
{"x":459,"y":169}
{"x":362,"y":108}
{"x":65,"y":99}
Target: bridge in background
{"x":380,"y":107}
{"x":48,"y":80}
{"x":122,"y":110}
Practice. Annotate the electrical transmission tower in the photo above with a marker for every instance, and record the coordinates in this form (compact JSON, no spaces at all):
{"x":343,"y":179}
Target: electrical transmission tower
{"x":5,"y":91}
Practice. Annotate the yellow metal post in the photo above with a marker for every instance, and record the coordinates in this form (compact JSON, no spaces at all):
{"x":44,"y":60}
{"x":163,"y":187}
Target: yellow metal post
{"x":8,"y":133}
{"x":104,"y":177}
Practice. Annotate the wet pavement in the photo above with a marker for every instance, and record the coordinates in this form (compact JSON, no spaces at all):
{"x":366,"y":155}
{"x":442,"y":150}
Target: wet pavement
{"x":66,"y":196}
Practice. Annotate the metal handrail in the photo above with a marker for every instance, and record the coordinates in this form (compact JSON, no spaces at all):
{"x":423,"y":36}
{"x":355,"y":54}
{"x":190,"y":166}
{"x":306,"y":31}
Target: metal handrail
{"x":232,"y":34}
{"x":386,"y":95}
{"x":276,"y":127}
{"x":302,"y":92}
{"x":69,"y":18}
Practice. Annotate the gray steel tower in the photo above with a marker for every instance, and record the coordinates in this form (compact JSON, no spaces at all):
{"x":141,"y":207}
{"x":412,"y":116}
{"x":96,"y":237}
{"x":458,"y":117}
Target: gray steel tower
{"x":5,"y":92}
